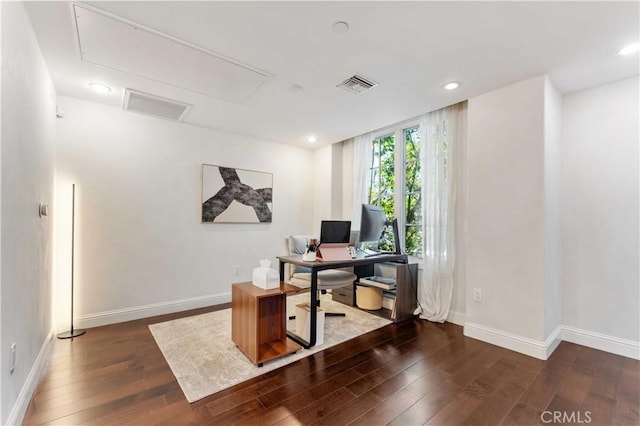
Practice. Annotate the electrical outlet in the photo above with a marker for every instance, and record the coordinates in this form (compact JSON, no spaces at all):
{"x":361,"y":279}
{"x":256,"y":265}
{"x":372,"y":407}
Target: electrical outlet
{"x":236,"y":269}
{"x":13,"y":357}
{"x":477,"y":295}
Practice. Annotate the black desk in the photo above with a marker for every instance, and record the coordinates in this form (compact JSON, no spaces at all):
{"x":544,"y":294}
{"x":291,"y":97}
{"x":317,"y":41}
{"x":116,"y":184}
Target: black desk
{"x":320,"y":266}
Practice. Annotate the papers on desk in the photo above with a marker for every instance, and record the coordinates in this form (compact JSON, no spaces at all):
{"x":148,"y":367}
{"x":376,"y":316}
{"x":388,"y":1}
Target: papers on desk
{"x":380,"y":282}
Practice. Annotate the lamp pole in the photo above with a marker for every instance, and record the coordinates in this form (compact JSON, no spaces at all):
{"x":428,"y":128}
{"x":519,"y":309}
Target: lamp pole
{"x":72,"y":333}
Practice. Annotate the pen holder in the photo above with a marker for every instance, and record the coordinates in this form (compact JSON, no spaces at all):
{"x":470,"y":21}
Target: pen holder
{"x":310,"y":253}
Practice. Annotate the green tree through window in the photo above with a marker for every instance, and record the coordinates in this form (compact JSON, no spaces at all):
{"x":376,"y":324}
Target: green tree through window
{"x":382,"y":189}
{"x":412,"y":192}
{"x":398,"y":190}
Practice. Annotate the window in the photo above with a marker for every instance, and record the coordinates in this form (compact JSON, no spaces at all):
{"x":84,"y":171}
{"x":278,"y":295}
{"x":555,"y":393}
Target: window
{"x":396,"y":184}
{"x":412,"y":192}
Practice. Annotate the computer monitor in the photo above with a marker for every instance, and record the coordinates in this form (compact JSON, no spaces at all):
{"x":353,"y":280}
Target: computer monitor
{"x":374,"y":222}
{"x":335,"y":231}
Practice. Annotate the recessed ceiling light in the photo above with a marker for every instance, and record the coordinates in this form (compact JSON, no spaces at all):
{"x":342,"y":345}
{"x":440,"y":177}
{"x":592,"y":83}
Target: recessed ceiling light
{"x":100,"y":87}
{"x":451,"y":86}
{"x":312,"y":139}
{"x":627,"y":50}
{"x":340,"y":27}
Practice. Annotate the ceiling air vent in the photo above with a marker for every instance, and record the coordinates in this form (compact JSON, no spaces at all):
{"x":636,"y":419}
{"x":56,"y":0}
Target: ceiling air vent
{"x":357,"y":84}
{"x":145,"y":103}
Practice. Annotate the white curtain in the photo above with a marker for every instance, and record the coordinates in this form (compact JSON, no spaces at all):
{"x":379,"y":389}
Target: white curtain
{"x":441,"y":132}
{"x":361,"y":174}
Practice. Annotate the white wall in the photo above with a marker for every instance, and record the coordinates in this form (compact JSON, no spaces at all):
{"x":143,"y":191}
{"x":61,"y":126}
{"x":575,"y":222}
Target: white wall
{"x":600,"y":215}
{"x":337,"y":178}
{"x":140,"y":246}
{"x":27,"y":170}
{"x":505,"y":209}
{"x":552,"y":209}
{"x":347,"y":180}
{"x":322,"y":186}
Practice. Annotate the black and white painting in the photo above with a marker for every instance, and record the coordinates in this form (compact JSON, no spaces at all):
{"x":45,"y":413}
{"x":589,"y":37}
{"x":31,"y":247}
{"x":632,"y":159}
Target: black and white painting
{"x":231,"y":195}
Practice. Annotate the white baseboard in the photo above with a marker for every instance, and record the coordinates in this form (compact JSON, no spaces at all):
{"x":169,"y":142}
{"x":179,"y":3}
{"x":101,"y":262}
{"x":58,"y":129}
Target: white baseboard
{"x":33,"y":379}
{"x":145,"y":311}
{"x":603,"y":342}
{"x":524,"y":345}
{"x":553,"y":341}
{"x":457,"y":318}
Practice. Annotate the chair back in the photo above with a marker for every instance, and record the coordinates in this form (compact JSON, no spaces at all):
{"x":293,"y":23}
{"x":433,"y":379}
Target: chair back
{"x":295,"y":244}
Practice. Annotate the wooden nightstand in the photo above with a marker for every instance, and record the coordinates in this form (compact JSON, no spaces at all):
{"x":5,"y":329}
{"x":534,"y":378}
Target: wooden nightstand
{"x":259,"y":321}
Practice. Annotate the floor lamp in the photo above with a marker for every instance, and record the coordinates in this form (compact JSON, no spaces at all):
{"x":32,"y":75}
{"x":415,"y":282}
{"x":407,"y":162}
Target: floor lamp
{"x":72,"y":333}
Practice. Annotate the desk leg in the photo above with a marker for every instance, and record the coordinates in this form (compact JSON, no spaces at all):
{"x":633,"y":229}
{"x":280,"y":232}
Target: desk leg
{"x":314,"y":301}
{"x":314,"y":307}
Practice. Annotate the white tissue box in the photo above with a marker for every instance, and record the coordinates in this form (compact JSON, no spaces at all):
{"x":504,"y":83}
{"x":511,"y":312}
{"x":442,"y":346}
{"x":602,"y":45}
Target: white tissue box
{"x":265,"y":277}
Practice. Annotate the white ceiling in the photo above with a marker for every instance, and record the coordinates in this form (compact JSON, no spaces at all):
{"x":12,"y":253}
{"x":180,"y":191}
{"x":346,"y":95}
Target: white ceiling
{"x":410,"y":48}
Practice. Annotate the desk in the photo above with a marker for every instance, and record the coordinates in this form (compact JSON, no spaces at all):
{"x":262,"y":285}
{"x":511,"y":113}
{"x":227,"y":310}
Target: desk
{"x":360,"y":260}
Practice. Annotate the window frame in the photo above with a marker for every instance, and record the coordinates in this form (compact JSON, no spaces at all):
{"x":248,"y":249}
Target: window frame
{"x":399,"y":163}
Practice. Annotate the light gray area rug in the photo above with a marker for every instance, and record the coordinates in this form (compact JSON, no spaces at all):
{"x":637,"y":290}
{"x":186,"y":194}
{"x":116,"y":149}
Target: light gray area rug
{"x":205,"y":360}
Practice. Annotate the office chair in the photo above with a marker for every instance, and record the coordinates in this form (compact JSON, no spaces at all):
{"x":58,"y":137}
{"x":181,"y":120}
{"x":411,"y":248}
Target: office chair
{"x":300,"y":276}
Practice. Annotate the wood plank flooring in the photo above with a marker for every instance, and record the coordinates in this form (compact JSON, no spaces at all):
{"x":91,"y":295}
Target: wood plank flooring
{"x":411,"y":373}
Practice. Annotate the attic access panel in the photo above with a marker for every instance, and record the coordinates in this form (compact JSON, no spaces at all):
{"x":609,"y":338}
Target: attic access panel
{"x":113,"y":42}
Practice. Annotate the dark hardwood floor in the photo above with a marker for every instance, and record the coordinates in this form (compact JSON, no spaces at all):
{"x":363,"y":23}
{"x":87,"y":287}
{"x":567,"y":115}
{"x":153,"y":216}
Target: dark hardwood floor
{"x":411,"y":373}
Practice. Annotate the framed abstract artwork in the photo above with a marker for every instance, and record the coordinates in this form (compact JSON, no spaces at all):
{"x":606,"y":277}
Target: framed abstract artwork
{"x":232,"y":195}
